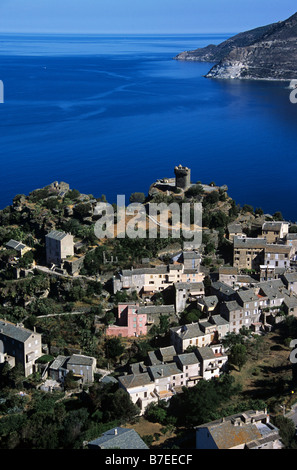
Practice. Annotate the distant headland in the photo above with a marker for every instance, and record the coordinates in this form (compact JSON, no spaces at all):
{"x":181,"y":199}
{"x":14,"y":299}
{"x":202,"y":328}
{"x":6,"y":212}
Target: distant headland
{"x":267,"y":53}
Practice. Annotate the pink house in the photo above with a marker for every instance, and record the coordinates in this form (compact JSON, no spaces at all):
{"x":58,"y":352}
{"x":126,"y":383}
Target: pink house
{"x":129,"y":322}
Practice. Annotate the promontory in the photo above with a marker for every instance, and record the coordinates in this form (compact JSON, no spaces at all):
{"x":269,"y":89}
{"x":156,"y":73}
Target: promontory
{"x":268,"y":52}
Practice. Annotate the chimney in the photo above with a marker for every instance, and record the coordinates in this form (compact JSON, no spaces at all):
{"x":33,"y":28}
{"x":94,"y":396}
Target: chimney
{"x":115,"y":431}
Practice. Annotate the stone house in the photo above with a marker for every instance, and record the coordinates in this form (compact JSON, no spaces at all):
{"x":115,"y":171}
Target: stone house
{"x":248,"y":253}
{"x":149,"y":384}
{"x":147,"y":281}
{"x":269,"y":272}
{"x":222,"y":291}
{"x":234,"y":230}
{"x":24,"y":345}
{"x":153,"y":313}
{"x":249,"y":301}
{"x":191,"y":368}
{"x":59,"y":245}
{"x":277,"y":256}
{"x":291,"y":241}
{"x":228,"y":275}
{"x":134,"y":320}
{"x":129,"y":322}
{"x":200,"y":334}
{"x":19,"y":247}
{"x":213,"y":361}
{"x":141,"y":389}
{"x":222,"y":326}
{"x":290,"y":281}
{"x":208,"y":304}
{"x":187,"y":292}
{"x":275,"y":231}
{"x":248,"y":430}
{"x":234,"y":314}
{"x":83,"y":368}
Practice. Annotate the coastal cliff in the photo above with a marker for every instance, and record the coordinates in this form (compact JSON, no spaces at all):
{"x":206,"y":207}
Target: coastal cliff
{"x":268,"y":53}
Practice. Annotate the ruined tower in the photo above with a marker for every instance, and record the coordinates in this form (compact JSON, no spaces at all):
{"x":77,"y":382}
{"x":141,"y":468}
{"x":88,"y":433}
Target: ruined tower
{"x":182,"y":177}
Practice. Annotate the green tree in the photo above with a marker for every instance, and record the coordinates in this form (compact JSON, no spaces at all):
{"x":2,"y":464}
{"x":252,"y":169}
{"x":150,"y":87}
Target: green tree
{"x":196,"y":190}
{"x":114,"y":348}
{"x":69,"y":381}
{"x":238,"y":355}
{"x":137,"y":197}
{"x":248,"y":208}
{"x":156,"y":413}
{"x":278,"y":216}
{"x":286,"y":430}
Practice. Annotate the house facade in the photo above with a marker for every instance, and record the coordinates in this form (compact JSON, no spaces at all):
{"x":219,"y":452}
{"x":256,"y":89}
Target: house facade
{"x":134,"y":320}
{"x":59,"y":245}
{"x":248,"y":253}
{"x":277,"y":256}
{"x":83,"y":368}
{"x":24,"y":345}
{"x":274,"y":231}
{"x":186,"y":292}
{"x":162,"y":380}
{"x":147,"y":281}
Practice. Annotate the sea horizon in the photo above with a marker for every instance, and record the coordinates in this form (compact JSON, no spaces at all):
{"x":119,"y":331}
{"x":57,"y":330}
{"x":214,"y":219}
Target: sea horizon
{"x":113,"y":116}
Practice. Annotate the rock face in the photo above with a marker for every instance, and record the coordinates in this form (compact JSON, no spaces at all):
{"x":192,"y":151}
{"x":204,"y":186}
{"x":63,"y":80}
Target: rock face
{"x":268,"y":53}
{"x":214,"y":53}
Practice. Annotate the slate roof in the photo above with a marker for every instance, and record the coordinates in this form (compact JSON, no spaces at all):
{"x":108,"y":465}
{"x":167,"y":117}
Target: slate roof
{"x":232,"y":305}
{"x":234,"y":228}
{"x":247,"y":295}
{"x":205,"y":352}
{"x":167,"y":353}
{"x":58,"y":362}
{"x":188,"y":359}
{"x":277,"y":249}
{"x":290,"y":300}
{"x":291,"y":236}
{"x":15,"y":245}
{"x":156,"y":309}
{"x":15,"y":332}
{"x":77,"y":359}
{"x":228,"y":270}
{"x":189,"y":285}
{"x":118,"y":438}
{"x":290,"y":277}
{"x":273,"y":283}
{"x":227,"y":435}
{"x":153,"y":358}
{"x":163,"y":370}
{"x":191,"y":255}
{"x":156,"y":270}
{"x":246,"y":242}
{"x":189,"y":331}
{"x":223,"y":288}
{"x":219,"y":320}
{"x":273,"y":225}
{"x":135,"y":380}
{"x":209,"y":300}
{"x":56,"y":235}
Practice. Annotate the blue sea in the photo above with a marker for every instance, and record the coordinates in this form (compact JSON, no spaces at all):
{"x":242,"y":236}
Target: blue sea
{"x":110,"y":114}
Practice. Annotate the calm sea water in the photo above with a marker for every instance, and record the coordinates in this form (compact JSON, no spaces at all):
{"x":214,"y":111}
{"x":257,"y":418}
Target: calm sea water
{"x":111,"y":114}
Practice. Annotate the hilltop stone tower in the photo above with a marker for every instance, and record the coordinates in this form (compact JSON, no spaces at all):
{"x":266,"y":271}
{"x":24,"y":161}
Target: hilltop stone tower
{"x":182,"y":177}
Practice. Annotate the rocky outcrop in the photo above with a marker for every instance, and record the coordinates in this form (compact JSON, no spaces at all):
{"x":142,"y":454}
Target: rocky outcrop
{"x":212,"y":53}
{"x":272,"y":55}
